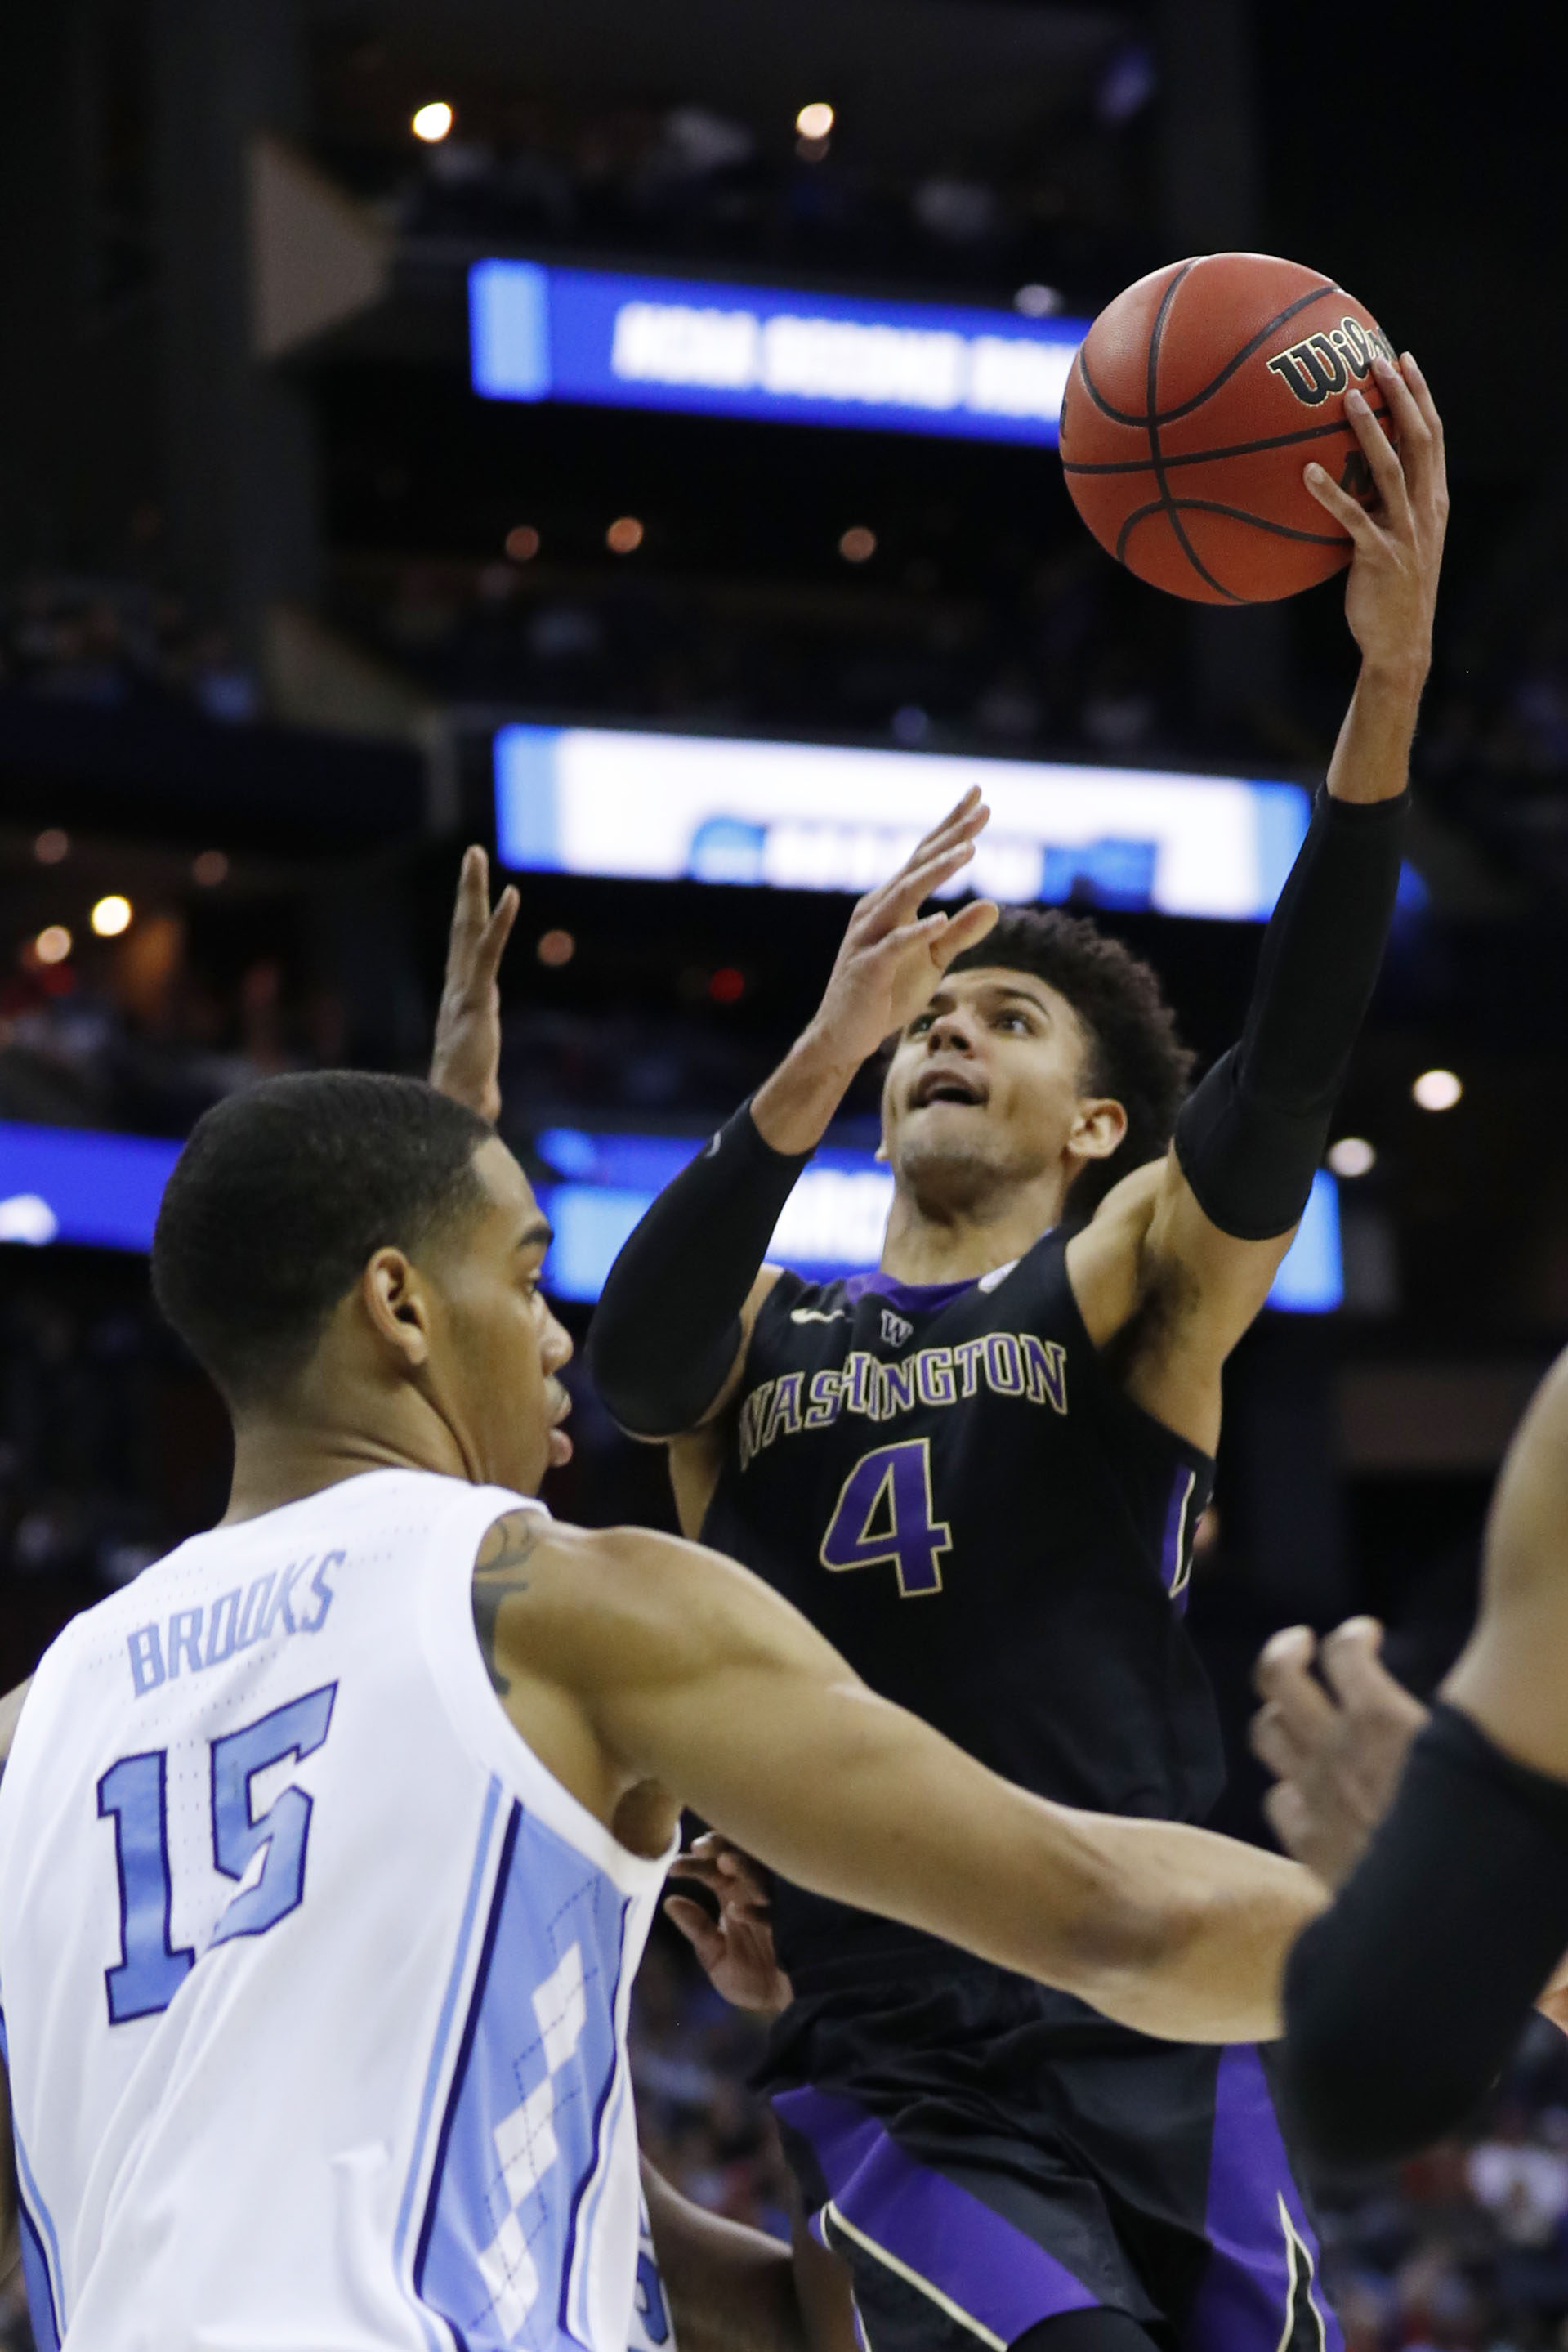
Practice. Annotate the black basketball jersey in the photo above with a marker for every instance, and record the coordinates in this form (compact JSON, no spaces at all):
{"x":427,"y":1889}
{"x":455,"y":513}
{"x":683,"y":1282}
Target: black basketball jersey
{"x":950,"y":1485}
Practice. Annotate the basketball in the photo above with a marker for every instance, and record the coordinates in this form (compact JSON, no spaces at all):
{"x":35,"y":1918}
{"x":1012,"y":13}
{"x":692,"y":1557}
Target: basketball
{"x":1195,"y":403}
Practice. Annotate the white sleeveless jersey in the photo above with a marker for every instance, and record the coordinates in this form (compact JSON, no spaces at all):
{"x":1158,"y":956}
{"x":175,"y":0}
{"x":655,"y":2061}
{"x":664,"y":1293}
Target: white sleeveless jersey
{"x":314,"y":1981}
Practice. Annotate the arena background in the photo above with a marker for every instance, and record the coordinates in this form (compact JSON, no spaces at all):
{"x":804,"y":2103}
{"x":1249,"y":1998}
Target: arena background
{"x":273,"y":575}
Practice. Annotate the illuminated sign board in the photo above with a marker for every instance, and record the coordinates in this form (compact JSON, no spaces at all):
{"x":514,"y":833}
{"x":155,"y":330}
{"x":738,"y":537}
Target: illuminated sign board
{"x":832,"y":1222}
{"x":539,"y":333}
{"x":811,"y":817}
{"x":75,"y":1184}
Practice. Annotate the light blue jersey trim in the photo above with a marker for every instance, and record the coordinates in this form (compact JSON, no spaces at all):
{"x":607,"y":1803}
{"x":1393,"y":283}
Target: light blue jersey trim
{"x":590,"y":2193}
{"x":434,"y":2337}
{"x":43,"y":2229}
{"x":587,"y":2220}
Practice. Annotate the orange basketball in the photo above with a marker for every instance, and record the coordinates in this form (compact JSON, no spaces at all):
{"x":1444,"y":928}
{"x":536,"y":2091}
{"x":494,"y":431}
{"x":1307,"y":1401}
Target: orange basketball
{"x":1194,"y":403}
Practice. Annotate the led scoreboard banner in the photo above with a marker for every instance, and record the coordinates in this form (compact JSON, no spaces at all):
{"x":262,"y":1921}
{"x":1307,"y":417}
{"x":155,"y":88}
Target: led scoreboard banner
{"x":832,"y":1222}
{"x":818,"y":816}
{"x":539,"y":333}
{"x":78,"y":1185}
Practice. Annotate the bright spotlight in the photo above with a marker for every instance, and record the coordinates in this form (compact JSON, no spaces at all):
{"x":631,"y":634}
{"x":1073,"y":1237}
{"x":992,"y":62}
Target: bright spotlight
{"x":433,"y":122}
{"x":111,"y":915}
{"x":1352,"y":1156}
{"x":53,"y":943}
{"x":816,"y":120}
{"x":1438,"y":1089}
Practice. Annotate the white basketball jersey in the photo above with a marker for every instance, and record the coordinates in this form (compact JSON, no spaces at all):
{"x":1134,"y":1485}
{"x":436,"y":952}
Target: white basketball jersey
{"x":314,"y":1981}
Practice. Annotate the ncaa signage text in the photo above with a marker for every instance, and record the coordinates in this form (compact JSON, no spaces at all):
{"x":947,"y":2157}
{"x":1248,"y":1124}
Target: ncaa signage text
{"x":539,"y":333}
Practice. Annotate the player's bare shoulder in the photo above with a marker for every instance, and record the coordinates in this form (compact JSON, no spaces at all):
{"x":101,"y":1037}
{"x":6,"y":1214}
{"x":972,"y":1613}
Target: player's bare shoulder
{"x":1105,"y":1262}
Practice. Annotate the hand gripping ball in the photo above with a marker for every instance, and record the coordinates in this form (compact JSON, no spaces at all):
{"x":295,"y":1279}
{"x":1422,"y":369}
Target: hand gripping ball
{"x":1196,"y":401}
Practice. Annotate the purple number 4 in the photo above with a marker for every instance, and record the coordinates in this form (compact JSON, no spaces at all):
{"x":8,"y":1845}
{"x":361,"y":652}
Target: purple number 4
{"x":883,"y":1518}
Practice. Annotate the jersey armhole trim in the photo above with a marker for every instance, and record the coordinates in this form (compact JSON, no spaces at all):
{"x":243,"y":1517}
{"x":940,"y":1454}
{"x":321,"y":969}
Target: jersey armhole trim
{"x":475,"y":1710}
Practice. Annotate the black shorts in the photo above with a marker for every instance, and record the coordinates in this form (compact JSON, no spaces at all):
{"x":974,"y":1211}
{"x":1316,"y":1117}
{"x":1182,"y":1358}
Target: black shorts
{"x":985,"y":2153}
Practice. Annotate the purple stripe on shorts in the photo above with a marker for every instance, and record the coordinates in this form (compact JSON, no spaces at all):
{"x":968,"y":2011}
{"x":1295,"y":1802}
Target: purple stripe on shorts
{"x":1245,"y":2299}
{"x":944,"y":2234}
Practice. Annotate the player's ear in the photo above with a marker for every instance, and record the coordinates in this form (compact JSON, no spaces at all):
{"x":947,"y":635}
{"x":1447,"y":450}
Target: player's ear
{"x":394,"y":1298}
{"x":1098,"y":1129}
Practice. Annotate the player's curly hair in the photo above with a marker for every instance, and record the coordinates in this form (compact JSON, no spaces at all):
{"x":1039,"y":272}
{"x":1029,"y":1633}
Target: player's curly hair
{"x":1138,"y":1058}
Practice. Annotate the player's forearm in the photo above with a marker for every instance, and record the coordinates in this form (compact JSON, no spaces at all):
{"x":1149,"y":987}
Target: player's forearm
{"x":1249,"y":1139}
{"x":668,"y":1328}
{"x":1371,"y":757}
{"x":730,"y":2288}
{"x":1200,"y":1929}
{"x":794,"y":1109}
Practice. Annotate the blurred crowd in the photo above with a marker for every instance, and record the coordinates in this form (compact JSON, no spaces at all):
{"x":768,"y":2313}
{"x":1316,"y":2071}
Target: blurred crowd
{"x":112,"y":644}
{"x":698,"y":2119}
{"x":1464,"y":2249}
{"x":688,"y":182}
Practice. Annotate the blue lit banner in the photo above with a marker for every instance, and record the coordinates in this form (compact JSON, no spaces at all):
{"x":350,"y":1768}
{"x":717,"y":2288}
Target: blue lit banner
{"x":833,"y":1223}
{"x":539,"y":333}
{"x":78,"y":1184}
{"x":815,"y":816}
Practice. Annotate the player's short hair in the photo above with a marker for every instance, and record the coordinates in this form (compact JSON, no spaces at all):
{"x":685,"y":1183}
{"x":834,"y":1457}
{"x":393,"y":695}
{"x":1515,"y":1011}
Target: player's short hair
{"x":280,"y":1198}
{"x":1137,"y":1057}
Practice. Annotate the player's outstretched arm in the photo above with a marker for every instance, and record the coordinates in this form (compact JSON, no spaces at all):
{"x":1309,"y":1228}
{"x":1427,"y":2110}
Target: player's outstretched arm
{"x":1194,"y":1260}
{"x":732,"y":2289}
{"x":1404,"y":1998}
{"x":700,"y":1678}
{"x":675,"y":1319}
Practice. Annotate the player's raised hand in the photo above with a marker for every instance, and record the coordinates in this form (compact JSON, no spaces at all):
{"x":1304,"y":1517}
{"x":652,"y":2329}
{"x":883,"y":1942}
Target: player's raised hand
{"x":890,"y":965}
{"x":1336,"y":1746}
{"x":892,"y":957}
{"x":736,"y":1952}
{"x":467,"y":1058}
{"x":1392,"y":590}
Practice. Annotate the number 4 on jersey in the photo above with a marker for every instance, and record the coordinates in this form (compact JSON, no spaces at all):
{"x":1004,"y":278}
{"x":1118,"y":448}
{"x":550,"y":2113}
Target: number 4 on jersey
{"x":883,"y":1518}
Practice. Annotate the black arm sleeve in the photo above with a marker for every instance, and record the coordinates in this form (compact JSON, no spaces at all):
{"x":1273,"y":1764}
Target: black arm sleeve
{"x":1250,"y":1138}
{"x":1403,"y":2003}
{"x":668,"y":1322}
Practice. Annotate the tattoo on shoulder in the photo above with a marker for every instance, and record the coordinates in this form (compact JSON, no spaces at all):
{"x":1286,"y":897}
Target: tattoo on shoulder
{"x":498,"y":1574}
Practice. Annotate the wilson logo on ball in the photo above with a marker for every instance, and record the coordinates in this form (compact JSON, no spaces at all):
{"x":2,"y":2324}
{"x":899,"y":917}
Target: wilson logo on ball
{"x":1322,"y":364}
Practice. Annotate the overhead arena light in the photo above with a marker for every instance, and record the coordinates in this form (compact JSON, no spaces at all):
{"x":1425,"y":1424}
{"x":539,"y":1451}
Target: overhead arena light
{"x":539,"y":333}
{"x":816,"y":816}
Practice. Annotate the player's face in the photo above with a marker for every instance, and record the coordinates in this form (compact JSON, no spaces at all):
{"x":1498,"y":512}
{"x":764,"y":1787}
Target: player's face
{"x":501,"y":1350}
{"x":987,"y":1085}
